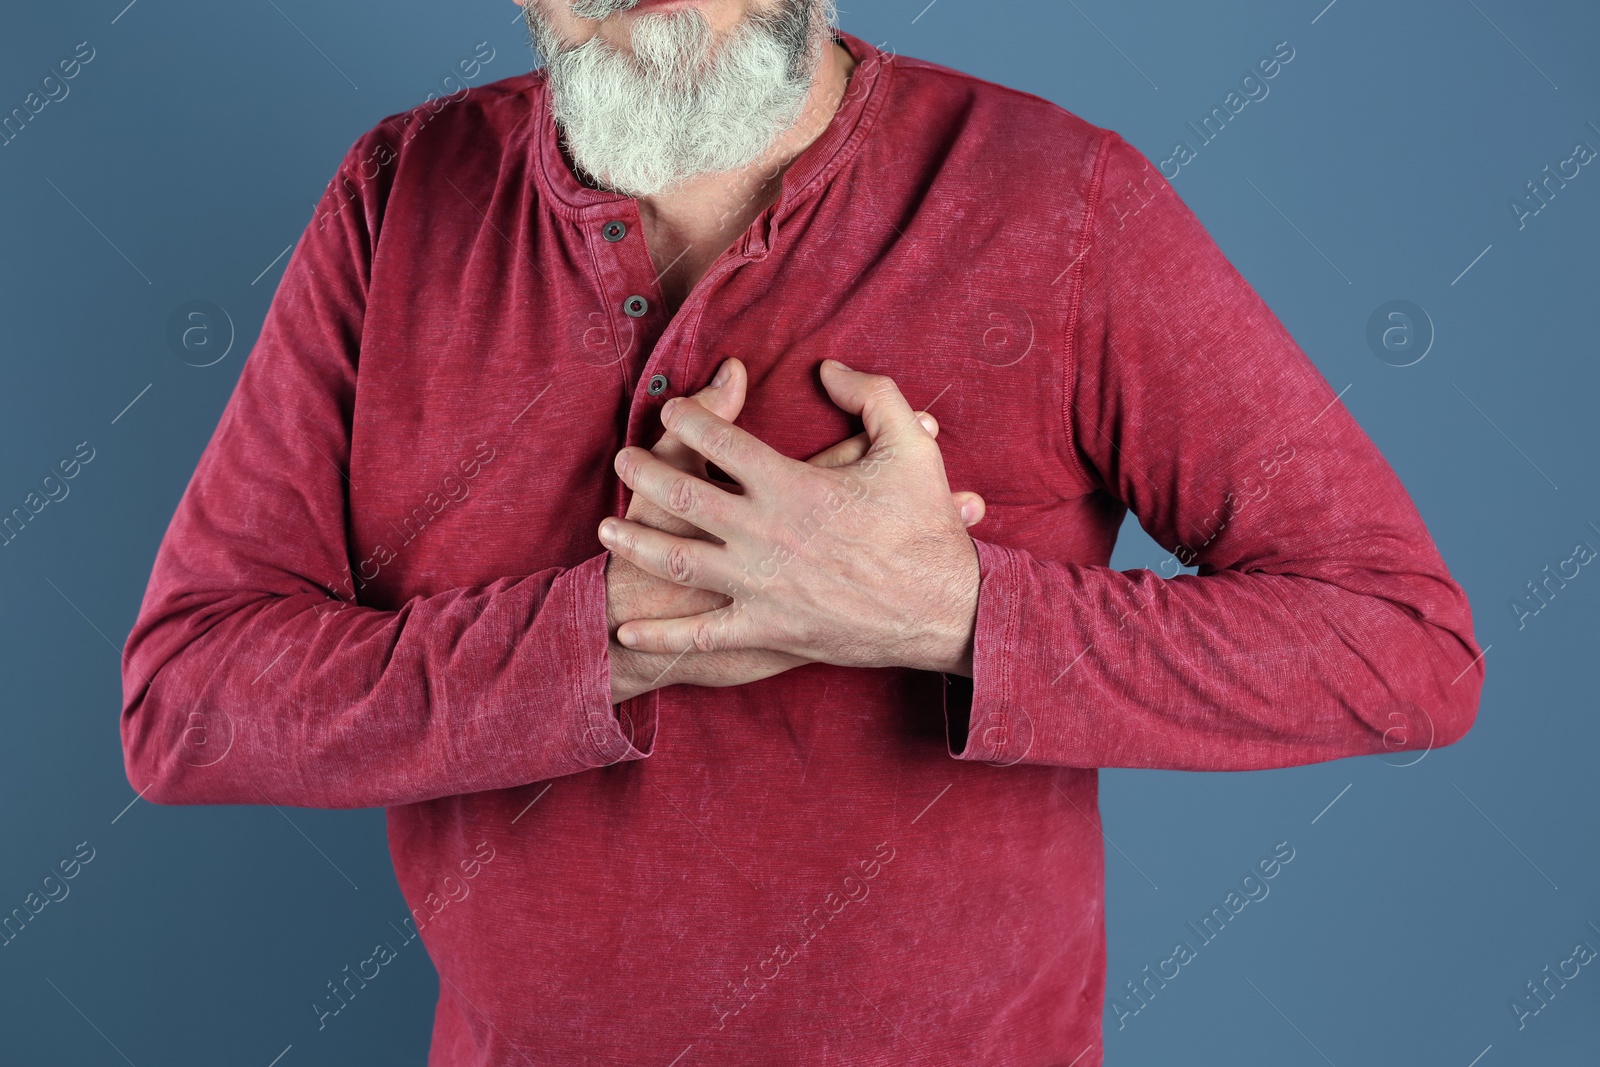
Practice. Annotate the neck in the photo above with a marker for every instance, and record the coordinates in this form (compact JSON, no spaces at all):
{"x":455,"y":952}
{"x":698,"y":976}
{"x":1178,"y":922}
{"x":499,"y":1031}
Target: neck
{"x":689,"y":225}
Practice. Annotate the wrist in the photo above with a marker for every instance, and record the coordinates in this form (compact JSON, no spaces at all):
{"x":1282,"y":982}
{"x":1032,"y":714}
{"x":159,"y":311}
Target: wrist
{"x":949,"y":649}
{"x":624,"y":664}
{"x":626,"y":680}
{"x":954,"y":655}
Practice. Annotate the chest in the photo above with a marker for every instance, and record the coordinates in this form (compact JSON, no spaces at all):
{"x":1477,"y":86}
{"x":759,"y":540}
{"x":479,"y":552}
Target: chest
{"x":681,"y":264}
{"x":494,"y":391}
{"x":686,"y":233}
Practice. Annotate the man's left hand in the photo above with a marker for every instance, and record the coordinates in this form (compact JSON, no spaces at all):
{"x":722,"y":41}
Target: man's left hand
{"x":867,"y":564}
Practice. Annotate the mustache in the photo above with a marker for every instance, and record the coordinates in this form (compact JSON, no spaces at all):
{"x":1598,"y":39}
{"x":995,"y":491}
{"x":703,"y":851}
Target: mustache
{"x":599,"y":9}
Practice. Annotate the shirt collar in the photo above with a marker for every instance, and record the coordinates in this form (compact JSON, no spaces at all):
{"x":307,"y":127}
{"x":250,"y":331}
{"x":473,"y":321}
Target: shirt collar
{"x":811,"y":169}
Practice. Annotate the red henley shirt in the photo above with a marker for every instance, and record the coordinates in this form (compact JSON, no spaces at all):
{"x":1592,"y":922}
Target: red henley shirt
{"x":383,"y":587}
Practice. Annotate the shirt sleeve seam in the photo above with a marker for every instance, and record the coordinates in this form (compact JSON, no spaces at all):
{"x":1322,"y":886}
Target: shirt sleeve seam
{"x":1012,"y":571}
{"x":1069,"y":348}
{"x":587,"y":741}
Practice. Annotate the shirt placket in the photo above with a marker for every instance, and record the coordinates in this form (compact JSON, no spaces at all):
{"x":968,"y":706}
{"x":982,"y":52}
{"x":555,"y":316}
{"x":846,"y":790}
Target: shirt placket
{"x":637,"y":314}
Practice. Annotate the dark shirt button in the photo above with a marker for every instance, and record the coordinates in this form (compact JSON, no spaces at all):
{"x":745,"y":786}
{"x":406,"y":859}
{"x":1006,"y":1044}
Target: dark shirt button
{"x":615,"y":230}
{"x":635,"y":306}
{"x":658,"y":384}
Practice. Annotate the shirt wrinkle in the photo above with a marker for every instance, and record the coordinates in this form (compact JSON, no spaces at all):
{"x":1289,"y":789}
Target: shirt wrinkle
{"x":444,"y":460}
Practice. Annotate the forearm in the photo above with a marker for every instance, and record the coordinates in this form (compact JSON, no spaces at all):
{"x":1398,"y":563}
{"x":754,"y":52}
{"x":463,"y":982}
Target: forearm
{"x":1229,"y":671}
{"x":298,"y":699}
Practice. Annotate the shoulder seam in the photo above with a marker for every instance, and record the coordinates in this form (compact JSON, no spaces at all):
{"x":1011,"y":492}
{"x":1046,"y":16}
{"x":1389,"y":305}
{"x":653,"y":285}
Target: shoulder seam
{"x":483,"y":96}
{"x":1088,"y":247}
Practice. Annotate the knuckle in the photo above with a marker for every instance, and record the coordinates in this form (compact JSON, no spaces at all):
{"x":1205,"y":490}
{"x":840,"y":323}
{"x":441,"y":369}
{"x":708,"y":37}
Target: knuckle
{"x":681,"y":496}
{"x":721,"y":442}
{"x":679,"y":565}
{"x":702,"y":636}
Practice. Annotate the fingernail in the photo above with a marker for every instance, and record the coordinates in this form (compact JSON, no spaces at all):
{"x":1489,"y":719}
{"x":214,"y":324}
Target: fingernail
{"x":722,"y":376}
{"x":969,"y":511}
{"x":926,"y":421}
{"x":628,"y":637}
{"x":669,"y":406}
{"x":608,"y":532}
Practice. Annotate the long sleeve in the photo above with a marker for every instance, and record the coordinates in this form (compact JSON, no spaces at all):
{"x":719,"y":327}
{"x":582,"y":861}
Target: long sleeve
{"x":1321,"y":623}
{"x":252,"y":675}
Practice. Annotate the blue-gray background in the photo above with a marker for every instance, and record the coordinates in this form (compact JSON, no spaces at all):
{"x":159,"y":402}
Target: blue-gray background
{"x":187,"y":156}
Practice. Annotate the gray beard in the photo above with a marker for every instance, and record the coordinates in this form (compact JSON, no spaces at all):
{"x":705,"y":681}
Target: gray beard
{"x":683,"y":104}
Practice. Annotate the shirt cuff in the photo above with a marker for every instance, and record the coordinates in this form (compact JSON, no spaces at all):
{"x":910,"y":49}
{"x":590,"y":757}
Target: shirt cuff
{"x":605,"y":733}
{"x":996,"y":727}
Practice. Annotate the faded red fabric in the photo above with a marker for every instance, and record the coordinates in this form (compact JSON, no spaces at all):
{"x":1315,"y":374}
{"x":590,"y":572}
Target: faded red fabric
{"x":383,"y":584}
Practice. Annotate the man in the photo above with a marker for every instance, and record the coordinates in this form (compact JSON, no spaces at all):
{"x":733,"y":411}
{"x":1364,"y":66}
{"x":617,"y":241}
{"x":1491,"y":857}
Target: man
{"x":588,"y":497}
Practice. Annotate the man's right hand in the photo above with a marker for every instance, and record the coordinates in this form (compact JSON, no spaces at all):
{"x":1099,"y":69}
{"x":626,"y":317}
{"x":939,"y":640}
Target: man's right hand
{"x":633,"y":594}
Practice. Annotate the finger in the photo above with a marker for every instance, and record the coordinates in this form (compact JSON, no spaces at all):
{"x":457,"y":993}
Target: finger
{"x":852,"y":449}
{"x":724,"y":398}
{"x":725,"y":395}
{"x":641,"y":510}
{"x":699,"y":502}
{"x":846,"y":452}
{"x":971,"y":506}
{"x":683,"y":561}
{"x":723,"y":630}
{"x":743,"y":456}
{"x":874,"y":397}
